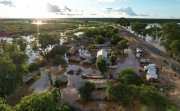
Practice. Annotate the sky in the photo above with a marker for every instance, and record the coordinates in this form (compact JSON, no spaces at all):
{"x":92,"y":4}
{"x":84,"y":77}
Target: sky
{"x":89,"y":8}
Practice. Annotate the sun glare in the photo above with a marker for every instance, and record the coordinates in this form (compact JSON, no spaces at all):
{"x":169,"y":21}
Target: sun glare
{"x":38,"y":22}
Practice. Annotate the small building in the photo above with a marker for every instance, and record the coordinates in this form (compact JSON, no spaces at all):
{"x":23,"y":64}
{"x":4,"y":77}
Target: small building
{"x":102,"y":53}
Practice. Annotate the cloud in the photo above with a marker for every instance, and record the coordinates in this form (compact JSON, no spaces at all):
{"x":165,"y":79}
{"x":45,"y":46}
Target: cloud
{"x":105,"y":1}
{"x":52,"y":8}
{"x":7,"y":3}
{"x":128,"y":10}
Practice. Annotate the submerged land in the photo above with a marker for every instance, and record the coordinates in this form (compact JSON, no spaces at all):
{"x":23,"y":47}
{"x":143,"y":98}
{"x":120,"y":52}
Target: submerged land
{"x":90,"y":64}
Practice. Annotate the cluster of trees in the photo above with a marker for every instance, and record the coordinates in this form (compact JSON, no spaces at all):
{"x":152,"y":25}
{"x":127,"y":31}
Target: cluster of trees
{"x":139,"y":27}
{"x":169,"y":31}
{"x":100,"y":34}
{"x":13,"y":66}
{"x":57,"y":52}
{"x":121,"y":45}
{"x":123,"y":22}
{"x":171,"y":38}
{"x":49,"y":101}
{"x":131,"y":88}
{"x":50,"y":38}
{"x":17,"y":28}
{"x":21,"y":28}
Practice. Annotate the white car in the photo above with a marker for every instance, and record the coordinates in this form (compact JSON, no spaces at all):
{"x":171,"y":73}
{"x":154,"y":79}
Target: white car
{"x":151,"y":75}
{"x":138,"y":50}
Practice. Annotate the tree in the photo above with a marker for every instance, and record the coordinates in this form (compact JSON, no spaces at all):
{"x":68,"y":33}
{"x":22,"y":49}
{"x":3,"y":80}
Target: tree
{"x":123,"y":44}
{"x":86,"y":91}
{"x":171,"y":31}
{"x":39,"y":102}
{"x":175,"y":47}
{"x":20,"y":42}
{"x":59,"y":60}
{"x":46,"y":39}
{"x":58,"y":49}
{"x":8,"y":77}
{"x":154,"y":31}
{"x":151,"y":97}
{"x":102,"y":66}
{"x":123,"y":22}
{"x":171,"y":38}
{"x":115,"y":39}
{"x":34,"y":66}
{"x":113,"y":59}
{"x":127,"y":94}
{"x":34,"y":47}
{"x":4,"y":106}
{"x":13,"y":66}
{"x":99,"y":39}
{"x":138,"y":27}
{"x":122,"y":94}
{"x":128,"y":76}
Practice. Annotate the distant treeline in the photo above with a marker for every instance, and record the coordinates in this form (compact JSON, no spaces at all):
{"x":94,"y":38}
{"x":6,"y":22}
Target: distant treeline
{"x":143,"y":20}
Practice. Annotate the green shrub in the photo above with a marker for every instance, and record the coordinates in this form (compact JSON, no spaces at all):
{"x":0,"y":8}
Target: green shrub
{"x":4,"y":106}
{"x":59,"y":60}
{"x":86,"y":91}
{"x":34,"y":66}
{"x":122,"y":94}
{"x":128,"y":76}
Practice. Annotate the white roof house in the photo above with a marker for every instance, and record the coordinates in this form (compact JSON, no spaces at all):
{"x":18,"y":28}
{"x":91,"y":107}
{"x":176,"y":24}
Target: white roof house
{"x":103,"y":53}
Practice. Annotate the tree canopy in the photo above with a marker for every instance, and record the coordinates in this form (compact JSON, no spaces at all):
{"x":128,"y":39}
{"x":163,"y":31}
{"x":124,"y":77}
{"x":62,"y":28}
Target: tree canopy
{"x":4,"y":106}
{"x":123,"y":44}
{"x":128,"y":76}
{"x":171,"y":38}
{"x":138,"y":27}
{"x":46,"y":39}
{"x":123,"y":22}
{"x":102,"y":66}
{"x":13,"y":66}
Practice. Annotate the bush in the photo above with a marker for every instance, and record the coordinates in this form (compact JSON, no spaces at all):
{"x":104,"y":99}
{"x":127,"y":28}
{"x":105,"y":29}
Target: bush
{"x":128,"y":76}
{"x":4,"y":106}
{"x":39,"y":102}
{"x":115,"y":39}
{"x":151,"y":97}
{"x":65,"y":107}
{"x":126,"y":95}
{"x":99,"y":39}
{"x":58,"y":83}
{"x":113,"y":58}
{"x":58,"y":50}
{"x":122,"y":94}
{"x":86,"y":91}
{"x":34,"y":66}
{"x":59,"y":60}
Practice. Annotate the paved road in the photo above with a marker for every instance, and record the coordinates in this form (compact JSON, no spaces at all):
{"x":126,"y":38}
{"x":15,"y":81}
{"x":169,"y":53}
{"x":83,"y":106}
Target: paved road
{"x":161,"y":55}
